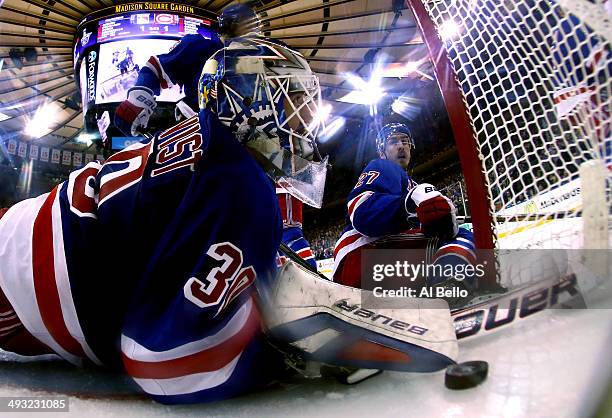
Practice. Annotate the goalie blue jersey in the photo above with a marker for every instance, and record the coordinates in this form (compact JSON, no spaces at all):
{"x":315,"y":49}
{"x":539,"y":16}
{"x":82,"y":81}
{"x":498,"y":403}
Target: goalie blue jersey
{"x":181,"y":65}
{"x":149,"y":262}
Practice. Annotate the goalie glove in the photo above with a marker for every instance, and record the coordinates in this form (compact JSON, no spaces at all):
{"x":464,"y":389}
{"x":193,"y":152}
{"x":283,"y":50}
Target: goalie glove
{"x":436,"y":213}
{"x":135,"y":111}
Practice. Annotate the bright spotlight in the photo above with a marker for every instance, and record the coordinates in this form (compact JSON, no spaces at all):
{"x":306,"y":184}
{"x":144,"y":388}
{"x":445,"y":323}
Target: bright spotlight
{"x":323,"y":113}
{"x":320,"y":118}
{"x":363,"y":97}
{"x":411,"y":67}
{"x":448,"y":30}
{"x":356,"y":81}
{"x":406,"y":107}
{"x":366,"y":92}
{"x":85,"y":138}
{"x":40,"y":124}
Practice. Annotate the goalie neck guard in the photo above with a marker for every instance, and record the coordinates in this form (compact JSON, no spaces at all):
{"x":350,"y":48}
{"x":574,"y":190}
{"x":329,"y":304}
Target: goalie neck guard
{"x":269,"y":97}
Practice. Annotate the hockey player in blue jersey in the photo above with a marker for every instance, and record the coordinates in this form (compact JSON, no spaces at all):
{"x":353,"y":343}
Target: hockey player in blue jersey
{"x":386,"y":203}
{"x":183,"y":65}
{"x":194,"y":224}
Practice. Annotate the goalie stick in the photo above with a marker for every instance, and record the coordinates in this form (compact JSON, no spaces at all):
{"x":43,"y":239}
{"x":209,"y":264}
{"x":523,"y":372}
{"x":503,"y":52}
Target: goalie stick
{"x":486,"y":314}
{"x":588,"y":276}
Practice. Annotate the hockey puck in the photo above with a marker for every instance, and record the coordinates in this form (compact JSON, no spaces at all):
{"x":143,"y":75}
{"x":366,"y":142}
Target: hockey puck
{"x":466,"y":375}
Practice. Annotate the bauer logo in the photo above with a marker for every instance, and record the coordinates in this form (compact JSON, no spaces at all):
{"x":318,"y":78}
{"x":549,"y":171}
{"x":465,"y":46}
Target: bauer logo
{"x":470,"y":322}
{"x":377,"y":318}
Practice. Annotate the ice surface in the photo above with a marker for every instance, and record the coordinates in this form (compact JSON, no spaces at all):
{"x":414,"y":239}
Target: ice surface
{"x":553,"y":364}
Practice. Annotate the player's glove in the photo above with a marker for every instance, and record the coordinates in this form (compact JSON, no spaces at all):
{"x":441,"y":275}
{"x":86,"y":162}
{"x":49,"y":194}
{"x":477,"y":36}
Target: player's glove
{"x":436,"y":213}
{"x":135,"y":111}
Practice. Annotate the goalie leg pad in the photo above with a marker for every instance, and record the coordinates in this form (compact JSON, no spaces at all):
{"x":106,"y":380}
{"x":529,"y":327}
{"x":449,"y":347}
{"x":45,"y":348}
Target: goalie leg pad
{"x":354,"y":346}
{"x":326,"y":322}
{"x":455,"y":252}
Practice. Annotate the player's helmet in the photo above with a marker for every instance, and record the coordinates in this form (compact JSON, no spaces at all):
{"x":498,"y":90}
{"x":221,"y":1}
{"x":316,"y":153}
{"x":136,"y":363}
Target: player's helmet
{"x":388,"y":130}
{"x":259,"y":88}
{"x":238,"y":20}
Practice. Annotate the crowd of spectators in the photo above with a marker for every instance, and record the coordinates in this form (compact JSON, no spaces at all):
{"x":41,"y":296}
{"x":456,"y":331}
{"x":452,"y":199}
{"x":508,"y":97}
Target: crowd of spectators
{"x":323,"y":238}
{"x":453,"y":187}
{"x":526,"y":165}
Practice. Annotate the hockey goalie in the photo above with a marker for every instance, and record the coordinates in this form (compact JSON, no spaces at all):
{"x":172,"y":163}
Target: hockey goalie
{"x":161,"y":261}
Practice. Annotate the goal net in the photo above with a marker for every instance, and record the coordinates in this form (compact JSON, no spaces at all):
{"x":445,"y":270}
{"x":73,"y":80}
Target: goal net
{"x":527,"y":87}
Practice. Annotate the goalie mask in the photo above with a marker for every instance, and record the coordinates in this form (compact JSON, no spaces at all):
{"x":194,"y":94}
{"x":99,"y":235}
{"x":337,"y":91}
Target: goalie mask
{"x":269,"y":97}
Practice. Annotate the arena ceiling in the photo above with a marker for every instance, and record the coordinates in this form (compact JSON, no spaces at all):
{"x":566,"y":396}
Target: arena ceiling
{"x":338,"y":37}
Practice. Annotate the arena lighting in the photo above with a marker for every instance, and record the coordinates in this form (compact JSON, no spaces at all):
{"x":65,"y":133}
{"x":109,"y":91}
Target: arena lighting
{"x":399,"y":70}
{"x":449,"y":30}
{"x":323,"y":112}
{"x":366,"y":92}
{"x":331,"y":129}
{"x":407,"y":107}
{"x":40,"y":124}
{"x":85,"y":138}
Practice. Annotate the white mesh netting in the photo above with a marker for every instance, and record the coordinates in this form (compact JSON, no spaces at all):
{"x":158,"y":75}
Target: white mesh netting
{"x":535,"y":76}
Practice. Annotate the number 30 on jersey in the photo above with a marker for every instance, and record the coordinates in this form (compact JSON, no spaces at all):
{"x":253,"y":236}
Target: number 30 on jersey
{"x":224,"y":283}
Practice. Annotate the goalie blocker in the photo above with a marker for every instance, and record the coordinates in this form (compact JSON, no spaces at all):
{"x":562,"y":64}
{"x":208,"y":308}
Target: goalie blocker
{"x":325,"y":321}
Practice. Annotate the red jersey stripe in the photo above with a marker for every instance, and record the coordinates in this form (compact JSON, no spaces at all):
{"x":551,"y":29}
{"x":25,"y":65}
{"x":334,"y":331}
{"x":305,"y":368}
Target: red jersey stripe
{"x":160,"y":73}
{"x":346,"y":241}
{"x":455,"y":250}
{"x":45,"y":286}
{"x":208,"y":360}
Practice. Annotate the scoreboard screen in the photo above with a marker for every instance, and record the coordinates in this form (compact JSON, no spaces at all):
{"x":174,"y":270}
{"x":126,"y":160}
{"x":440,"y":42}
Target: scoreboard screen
{"x":110,"y":52}
{"x":113,"y":44}
{"x":150,"y":24}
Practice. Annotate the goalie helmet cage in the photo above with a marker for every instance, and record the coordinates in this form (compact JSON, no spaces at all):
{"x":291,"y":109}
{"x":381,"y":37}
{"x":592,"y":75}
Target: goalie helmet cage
{"x":526,"y":84}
